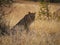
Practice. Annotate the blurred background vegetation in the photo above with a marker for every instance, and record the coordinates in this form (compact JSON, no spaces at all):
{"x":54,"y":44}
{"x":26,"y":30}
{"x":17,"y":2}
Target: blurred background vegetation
{"x":53,"y":1}
{"x":3,"y":2}
{"x":10,"y":1}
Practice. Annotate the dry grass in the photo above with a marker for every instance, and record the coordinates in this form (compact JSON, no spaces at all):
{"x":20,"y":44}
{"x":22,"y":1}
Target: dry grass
{"x":41,"y":33}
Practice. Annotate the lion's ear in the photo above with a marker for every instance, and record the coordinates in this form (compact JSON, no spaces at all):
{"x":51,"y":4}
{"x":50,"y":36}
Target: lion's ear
{"x":29,"y":12}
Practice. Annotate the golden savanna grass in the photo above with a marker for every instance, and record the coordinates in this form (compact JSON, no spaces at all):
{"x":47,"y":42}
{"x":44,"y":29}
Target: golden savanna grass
{"x":42,"y":32}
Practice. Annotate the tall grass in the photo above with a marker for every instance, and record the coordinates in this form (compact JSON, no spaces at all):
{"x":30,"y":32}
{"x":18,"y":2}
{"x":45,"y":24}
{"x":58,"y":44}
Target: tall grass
{"x":42,"y":33}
